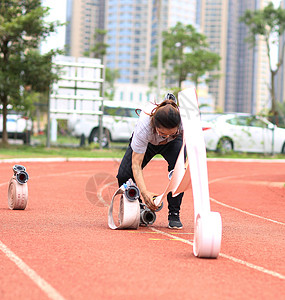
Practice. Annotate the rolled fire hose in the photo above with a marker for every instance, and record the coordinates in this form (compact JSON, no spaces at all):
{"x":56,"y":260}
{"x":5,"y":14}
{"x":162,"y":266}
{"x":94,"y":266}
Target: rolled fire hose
{"x":207,"y":224}
{"x":207,"y":235}
{"x":129,"y":209}
{"x":18,"y":188}
{"x":193,"y":171}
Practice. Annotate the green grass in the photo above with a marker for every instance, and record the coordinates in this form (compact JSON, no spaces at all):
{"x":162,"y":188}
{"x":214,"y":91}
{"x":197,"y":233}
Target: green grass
{"x":23,"y":151}
{"x":61,"y":140}
{"x":40,"y":151}
{"x":67,"y":147}
{"x":63,"y":148}
{"x":244,"y":155}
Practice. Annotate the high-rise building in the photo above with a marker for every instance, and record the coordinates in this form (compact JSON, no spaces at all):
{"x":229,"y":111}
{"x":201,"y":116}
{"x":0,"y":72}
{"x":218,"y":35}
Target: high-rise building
{"x":131,"y":31}
{"x":83,"y":17}
{"x":244,"y":71}
{"x":128,"y":24}
{"x":280,"y":80}
{"x":132,"y":36}
{"x":171,"y":12}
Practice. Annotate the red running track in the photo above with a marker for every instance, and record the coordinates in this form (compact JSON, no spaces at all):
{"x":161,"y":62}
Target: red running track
{"x":60,"y":247}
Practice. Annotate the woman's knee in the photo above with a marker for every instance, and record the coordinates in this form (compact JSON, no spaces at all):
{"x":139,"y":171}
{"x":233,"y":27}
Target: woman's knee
{"x":124,"y":173}
{"x":125,"y":169}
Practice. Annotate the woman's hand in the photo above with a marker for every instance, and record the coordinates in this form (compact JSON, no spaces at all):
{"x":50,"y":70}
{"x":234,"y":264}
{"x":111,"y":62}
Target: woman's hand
{"x":148,"y":198}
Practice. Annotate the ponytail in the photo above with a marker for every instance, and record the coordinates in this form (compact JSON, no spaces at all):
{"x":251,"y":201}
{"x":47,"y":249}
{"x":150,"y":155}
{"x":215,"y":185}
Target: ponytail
{"x":165,"y":114}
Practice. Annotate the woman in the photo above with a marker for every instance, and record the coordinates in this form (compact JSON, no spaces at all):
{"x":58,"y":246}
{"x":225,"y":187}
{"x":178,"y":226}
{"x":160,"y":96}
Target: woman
{"x":157,"y":132}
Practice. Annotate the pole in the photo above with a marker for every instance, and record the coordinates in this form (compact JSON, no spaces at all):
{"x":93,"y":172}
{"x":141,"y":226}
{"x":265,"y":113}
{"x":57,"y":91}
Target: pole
{"x":103,"y":75}
{"x":48,"y":121}
{"x":159,"y":44}
{"x":272,"y":145}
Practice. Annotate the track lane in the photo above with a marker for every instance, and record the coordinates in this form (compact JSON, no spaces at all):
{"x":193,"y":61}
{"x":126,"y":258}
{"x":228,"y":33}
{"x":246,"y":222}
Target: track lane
{"x":65,"y":239}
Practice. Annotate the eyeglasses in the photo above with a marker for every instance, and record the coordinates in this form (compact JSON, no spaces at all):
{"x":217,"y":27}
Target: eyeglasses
{"x":163,"y":135}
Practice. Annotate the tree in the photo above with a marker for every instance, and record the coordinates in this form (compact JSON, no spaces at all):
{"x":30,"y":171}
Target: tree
{"x":281,"y":114}
{"x":99,"y":50}
{"x":22,"y":68}
{"x":110,"y":78}
{"x":268,"y":24}
{"x":39,"y":78}
{"x":186,"y":54}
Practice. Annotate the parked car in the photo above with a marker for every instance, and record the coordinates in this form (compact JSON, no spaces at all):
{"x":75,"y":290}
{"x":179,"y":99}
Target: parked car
{"x":242,"y":132}
{"x":119,"y":121}
{"x":18,"y":126}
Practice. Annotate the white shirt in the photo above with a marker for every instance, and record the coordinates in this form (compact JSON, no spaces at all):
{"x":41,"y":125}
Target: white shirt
{"x":144,"y":133}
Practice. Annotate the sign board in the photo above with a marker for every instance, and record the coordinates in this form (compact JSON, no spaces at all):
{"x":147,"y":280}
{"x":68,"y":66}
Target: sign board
{"x":77,"y":91}
{"x":79,"y":87}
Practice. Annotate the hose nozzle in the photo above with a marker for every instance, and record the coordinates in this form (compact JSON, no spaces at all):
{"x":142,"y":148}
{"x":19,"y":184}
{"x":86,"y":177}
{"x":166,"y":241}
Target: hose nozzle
{"x":20,"y":174}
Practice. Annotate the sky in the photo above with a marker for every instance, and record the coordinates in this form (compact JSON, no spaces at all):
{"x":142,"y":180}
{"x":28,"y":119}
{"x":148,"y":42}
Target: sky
{"x":57,"y":12}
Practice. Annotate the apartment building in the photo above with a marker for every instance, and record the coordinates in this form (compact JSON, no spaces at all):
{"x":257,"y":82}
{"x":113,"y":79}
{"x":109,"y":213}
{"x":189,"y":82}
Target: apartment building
{"x":132,"y":36}
{"x":244,"y":73}
{"x":82,"y":17}
{"x":280,"y":80}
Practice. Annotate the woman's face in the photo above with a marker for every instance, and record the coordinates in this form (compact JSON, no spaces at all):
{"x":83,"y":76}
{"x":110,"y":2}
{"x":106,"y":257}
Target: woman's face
{"x":166,"y":132}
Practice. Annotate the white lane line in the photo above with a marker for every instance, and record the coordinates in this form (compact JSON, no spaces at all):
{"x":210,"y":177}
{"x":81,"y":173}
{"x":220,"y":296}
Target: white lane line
{"x":232,"y":177}
{"x":238,"y":209}
{"x":252,"y":266}
{"x":234,"y":259}
{"x":40,"y":282}
{"x":247,"y":213}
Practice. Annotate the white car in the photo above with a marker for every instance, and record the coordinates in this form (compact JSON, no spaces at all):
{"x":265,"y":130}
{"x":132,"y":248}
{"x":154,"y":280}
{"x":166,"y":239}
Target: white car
{"x":119,"y":121}
{"x":18,"y":126}
{"x":242,"y":132}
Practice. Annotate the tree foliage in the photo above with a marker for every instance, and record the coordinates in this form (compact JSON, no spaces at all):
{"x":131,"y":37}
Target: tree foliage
{"x":186,"y":54}
{"x":99,"y":50}
{"x":22,"y":68}
{"x":268,"y":24}
{"x":281,"y":114}
{"x":110,"y":77}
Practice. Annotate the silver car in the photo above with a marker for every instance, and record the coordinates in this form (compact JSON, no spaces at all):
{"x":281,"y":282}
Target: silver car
{"x":119,"y":121}
{"x":19,"y":127}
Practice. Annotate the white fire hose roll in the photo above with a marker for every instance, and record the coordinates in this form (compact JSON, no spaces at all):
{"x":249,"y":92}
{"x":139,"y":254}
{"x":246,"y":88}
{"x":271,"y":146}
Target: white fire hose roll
{"x":17,"y":194}
{"x":208,"y":234}
{"x":129,"y":209}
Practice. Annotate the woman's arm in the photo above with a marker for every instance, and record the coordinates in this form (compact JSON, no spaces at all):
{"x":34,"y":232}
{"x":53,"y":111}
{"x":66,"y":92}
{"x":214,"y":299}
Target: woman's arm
{"x":137,"y":159}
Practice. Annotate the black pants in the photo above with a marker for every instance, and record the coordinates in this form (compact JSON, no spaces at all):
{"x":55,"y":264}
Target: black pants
{"x":169,"y":151}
